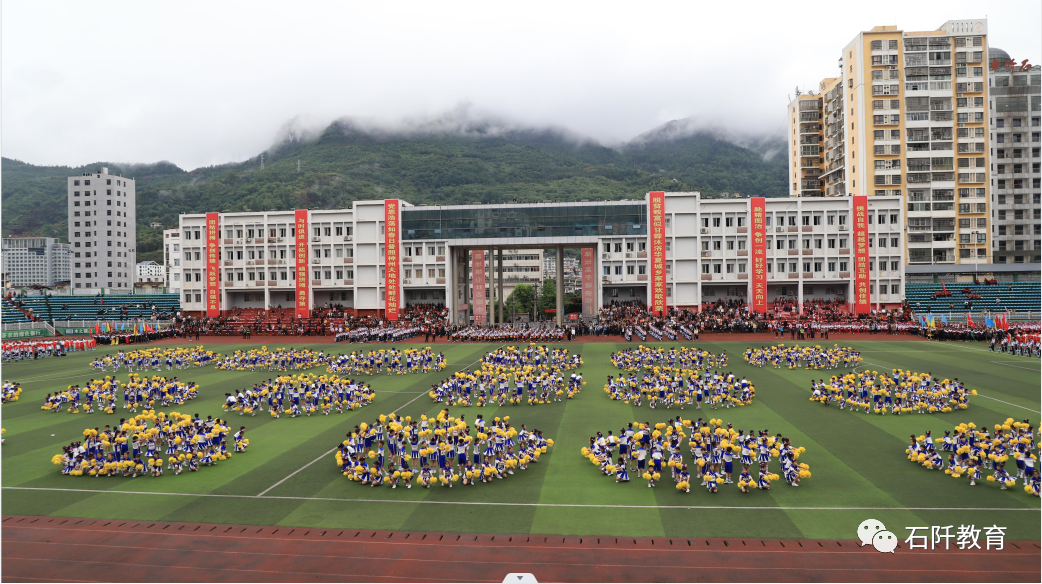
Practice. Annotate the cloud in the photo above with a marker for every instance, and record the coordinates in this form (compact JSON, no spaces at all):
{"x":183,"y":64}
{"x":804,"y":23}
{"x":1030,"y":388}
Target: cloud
{"x":210,"y":83}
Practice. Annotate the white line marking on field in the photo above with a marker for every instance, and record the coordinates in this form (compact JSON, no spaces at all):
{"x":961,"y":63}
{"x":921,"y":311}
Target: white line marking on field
{"x":514,"y":504}
{"x":1010,"y":364}
{"x":1008,"y":404}
{"x":421,"y":394}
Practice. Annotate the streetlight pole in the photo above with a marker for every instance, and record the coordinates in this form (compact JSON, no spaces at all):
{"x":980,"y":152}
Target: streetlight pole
{"x":975,"y":241}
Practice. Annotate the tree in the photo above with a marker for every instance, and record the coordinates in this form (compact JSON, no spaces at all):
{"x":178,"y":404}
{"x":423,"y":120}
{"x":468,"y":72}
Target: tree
{"x":547,"y":297}
{"x":521,"y":299}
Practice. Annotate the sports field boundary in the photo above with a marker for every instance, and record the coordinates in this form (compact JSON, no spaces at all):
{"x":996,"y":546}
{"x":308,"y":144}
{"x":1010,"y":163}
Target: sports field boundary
{"x":516,"y":504}
{"x":59,"y":548}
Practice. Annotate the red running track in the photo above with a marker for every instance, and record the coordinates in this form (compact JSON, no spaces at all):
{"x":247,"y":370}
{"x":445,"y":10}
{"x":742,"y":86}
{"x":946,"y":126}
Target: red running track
{"x":61,"y":549}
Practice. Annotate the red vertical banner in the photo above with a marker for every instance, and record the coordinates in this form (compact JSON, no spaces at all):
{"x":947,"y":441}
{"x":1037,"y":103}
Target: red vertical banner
{"x":657,"y":235}
{"x":862,"y":285}
{"x":391,"y":262}
{"x":478,"y":279}
{"x":589,"y":286}
{"x":300,"y":221}
{"x":758,"y":221}
{"x":213,"y":265}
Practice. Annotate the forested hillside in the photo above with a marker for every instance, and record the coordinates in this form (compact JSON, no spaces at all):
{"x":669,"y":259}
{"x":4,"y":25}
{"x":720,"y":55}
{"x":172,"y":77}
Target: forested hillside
{"x":346,"y":163}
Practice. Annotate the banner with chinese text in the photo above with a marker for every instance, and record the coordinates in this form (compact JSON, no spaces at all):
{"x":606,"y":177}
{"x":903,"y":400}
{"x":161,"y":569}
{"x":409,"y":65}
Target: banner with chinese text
{"x":478,"y":278}
{"x":301,"y":230}
{"x":589,"y":285}
{"x":862,"y":286}
{"x":213,"y":263}
{"x":657,"y":237}
{"x":391,"y":234}
{"x":758,"y":212}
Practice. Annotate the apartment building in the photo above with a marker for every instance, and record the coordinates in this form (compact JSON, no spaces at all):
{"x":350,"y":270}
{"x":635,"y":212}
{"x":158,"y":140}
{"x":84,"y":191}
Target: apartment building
{"x":150,"y":272}
{"x":172,"y":258}
{"x":806,"y":155}
{"x":1014,"y":120}
{"x":102,"y":231}
{"x":905,"y":117}
{"x":32,"y":260}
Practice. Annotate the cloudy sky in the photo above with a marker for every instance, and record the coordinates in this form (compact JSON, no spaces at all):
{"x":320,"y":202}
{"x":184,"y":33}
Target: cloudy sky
{"x":201,"y":83}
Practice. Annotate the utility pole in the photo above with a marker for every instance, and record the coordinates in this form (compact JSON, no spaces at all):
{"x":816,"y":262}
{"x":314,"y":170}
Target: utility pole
{"x":262,"y":161}
{"x":298,"y":165}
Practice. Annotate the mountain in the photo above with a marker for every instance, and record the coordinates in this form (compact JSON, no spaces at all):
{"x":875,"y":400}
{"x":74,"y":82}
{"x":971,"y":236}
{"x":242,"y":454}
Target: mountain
{"x":445,"y":161}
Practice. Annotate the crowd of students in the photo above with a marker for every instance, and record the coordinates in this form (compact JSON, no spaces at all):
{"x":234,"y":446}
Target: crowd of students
{"x":510,"y":333}
{"x":391,"y":361}
{"x":795,"y":356}
{"x":136,"y":392}
{"x":507,"y":375}
{"x":18,"y":350}
{"x":281,"y":359}
{"x":149,"y":444}
{"x":898,"y":393}
{"x":303,"y":394}
{"x":394,"y":450}
{"x":969,"y":451}
{"x":142,"y":360}
{"x":715,"y":450}
{"x":681,"y":388}
{"x":377,"y":334}
{"x":684,"y":358}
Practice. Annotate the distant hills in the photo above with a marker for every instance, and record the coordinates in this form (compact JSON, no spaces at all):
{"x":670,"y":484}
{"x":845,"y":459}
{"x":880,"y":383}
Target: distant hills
{"x":454,"y":161}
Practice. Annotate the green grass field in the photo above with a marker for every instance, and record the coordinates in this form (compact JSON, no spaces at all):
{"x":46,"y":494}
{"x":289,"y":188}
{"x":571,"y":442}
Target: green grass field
{"x":286,"y":478}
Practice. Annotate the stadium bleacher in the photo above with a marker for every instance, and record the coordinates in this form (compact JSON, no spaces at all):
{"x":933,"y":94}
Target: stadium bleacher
{"x":1021,"y":297}
{"x":12,"y":314}
{"x":107,"y":307}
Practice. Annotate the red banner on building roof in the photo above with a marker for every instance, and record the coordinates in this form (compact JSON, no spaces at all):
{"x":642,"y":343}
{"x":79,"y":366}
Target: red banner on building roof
{"x":301,"y":255}
{"x":758,"y":213}
{"x":657,"y":237}
{"x":213,"y":262}
{"x":391,"y":260}
{"x":862,"y":282}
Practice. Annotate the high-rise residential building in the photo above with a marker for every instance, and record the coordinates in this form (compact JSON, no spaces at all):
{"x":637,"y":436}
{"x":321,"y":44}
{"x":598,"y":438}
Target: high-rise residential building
{"x":805,"y":146}
{"x":172,"y":258}
{"x":906,"y":116}
{"x":102,"y":231}
{"x":1014,"y":119}
{"x":35,"y":261}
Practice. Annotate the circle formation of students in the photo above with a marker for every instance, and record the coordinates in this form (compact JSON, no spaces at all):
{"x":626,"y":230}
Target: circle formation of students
{"x":535,"y":370}
{"x":795,"y":357}
{"x":900,"y":392}
{"x":394,"y":450}
{"x":281,"y":359}
{"x":645,"y":450}
{"x":681,"y":388}
{"x":11,"y":391}
{"x":142,"y":360}
{"x":391,"y":361}
{"x":137,"y":392}
{"x":973,"y":451}
{"x":683,"y":359}
{"x":303,"y":394}
{"x":174,"y":442}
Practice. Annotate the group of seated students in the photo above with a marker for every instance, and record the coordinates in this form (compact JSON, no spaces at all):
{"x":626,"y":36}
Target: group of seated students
{"x":394,"y":450}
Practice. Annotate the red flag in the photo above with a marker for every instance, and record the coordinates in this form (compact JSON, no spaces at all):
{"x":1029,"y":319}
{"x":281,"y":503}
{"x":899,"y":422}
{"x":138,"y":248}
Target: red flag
{"x":969,"y":320}
{"x":944,"y":289}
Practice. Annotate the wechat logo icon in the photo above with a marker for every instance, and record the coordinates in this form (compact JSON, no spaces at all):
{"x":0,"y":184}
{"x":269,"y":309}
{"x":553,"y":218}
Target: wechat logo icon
{"x":873,"y":532}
